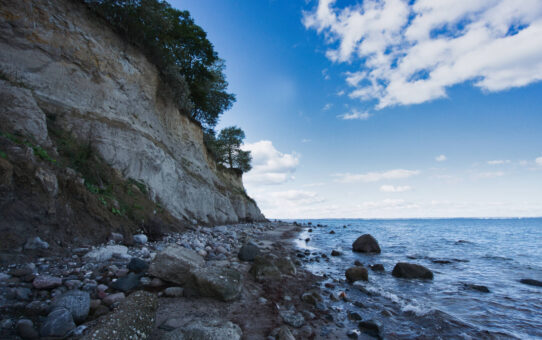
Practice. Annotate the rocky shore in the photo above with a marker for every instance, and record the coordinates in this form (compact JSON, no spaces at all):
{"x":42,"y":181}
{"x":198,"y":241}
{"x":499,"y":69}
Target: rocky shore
{"x":227,"y":282}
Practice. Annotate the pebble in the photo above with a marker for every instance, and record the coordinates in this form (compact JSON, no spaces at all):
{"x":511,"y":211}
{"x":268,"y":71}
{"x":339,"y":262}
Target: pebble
{"x":113,"y":298}
{"x":46,"y":282}
{"x":26,"y":329}
{"x":174,"y":291}
{"x":140,"y":239}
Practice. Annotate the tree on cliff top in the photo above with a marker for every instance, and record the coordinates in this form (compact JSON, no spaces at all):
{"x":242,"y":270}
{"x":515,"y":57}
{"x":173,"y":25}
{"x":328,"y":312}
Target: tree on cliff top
{"x":188,"y":63}
{"x":226,"y":148}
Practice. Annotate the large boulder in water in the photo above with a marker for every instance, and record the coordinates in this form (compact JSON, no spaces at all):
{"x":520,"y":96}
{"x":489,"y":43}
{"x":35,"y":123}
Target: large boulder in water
{"x":356,"y":274}
{"x":366,"y":244}
{"x":411,"y":271}
{"x":175,"y":264}
{"x":531,"y":282}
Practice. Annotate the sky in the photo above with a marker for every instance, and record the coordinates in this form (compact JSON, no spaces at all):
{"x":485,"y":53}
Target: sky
{"x":384,"y":108}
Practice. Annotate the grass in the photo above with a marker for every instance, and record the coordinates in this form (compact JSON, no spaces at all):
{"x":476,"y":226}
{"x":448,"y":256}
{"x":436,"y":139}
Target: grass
{"x":38,"y":150}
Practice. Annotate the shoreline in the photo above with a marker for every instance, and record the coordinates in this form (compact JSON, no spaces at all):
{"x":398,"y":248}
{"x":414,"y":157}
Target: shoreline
{"x":283,"y":304}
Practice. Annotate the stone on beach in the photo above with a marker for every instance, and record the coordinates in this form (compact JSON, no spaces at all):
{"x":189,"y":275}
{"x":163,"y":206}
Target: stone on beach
{"x":105,"y":253}
{"x":175,"y":264}
{"x":222,"y":283}
{"x":356,"y":274}
{"x":46,"y":282}
{"x":366,"y":244}
{"x":411,"y":271}
{"x":75,"y":301}
{"x":248,"y":252}
{"x":137,"y":265}
{"x":57,"y":324}
{"x":127,"y":283}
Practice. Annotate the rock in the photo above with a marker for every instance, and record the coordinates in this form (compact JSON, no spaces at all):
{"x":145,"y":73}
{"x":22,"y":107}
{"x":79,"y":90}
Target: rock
{"x":366,"y":244}
{"x":353,"y":334}
{"x":140,"y":239}
{"x":127,"y":283}
{"x":105,"y":253}
{"x":36,"y":243}
{"x":175,"y":264}
{"x":116,"y":237}
{"x":26,"y":329}
{"x":48,"y":181}
{"x":531,"y":282}
{"x":479,"y":288}
{"x":248,"y":252}
{"x":36,"y":308}
{"x":285,"y":333}
{"x":377,"y":267}
{"x":113,"y":298}
{"x":73,"y":284}
{"x":356,"y":273}
{"x":57,"y":324}
{"x":206,"y":329}
{"x":370,"y":327}
{"x":292,"y":318}
{"x":173,"y":291}
{"x":222,"y":283}
{"x":411,"y":271}
{"x":133,"y":319}
{"x":137,"y":265}
{"x":285,"y":265}
{"x":332,"y":232}
{"x":22,"y":293}
{"x":354,"y":316}
{"x":75,"y":301}
{"x":312,"y":297}
{"x":46,"y":282}
{"x":336,"y":253}
{"x":264,"y":268}
{"x":156,"y":283}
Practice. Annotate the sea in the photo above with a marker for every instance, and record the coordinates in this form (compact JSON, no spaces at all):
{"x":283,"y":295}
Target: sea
{"x":495,"y":253}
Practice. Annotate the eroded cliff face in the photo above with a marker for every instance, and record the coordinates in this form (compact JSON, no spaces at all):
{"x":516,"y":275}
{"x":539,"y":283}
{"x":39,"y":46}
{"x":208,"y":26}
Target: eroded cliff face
{"x":58,"y":60}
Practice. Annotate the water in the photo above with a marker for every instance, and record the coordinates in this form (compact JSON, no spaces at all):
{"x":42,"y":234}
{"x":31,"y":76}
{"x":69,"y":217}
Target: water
{"x":496,"y":253}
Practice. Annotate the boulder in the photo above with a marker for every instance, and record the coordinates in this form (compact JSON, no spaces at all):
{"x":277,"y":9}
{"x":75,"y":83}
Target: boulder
{"x":248,"y":252}
{"x":175,"y":264}
{"x":479,"y":288}
{"x":264,"y":268}
{"x":133,"y":319}
{"x":377,"y":267}
{"x":140,"y":239}
{"x":26,"y":330}
{"x":531,"y":282}
{"x":411,"y":271}
{"x":57,"y":324}
{"x":285,"y":333}
{"x":206,"y":329}
{"x":370,"y":327}
{"x":137,"y":265}
{"x":113,"y":298}
{"x":336,"y":253}
{"x":173,"y":291}
{"x":366,"y":244}
{"x":127,"y":283}
{"x":221,"y":283}
{"x":75,"y":301}
{"x":46,"y":282}
{"x":356,"y":274}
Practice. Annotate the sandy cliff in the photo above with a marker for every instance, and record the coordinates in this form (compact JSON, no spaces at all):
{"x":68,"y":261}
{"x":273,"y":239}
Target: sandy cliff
{"x":58,"y":60}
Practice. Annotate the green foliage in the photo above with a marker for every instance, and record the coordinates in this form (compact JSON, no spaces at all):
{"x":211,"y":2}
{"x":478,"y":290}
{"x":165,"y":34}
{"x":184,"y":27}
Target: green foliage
{"x":38,"y":150}
{"x":3,"y":155}
{"x":226,"y":148}
{"x":178,"y":47}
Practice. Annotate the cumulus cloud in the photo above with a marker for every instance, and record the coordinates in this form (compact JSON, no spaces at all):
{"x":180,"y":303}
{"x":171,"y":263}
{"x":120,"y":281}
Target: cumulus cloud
{"x":538,"y":160}
{"x":440,"y":158}
{"x":355,"y":114}
{"x":269,"y":166}
{"x":499,"y":162}
{"x":411,"y":52}
{"x":375,"y":176}
{"x":392,"y":188}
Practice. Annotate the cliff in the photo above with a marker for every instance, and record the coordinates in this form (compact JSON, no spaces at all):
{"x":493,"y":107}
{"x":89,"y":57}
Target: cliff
{"x":60,"y":63}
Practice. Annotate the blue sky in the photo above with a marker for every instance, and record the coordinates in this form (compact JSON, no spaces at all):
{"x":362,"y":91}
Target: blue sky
{"x":385,"y":109}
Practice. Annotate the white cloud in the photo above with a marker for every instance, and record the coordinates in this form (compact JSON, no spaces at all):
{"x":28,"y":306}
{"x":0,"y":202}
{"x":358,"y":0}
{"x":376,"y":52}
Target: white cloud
{"x":440,"y":158}
{"x":325,"y":74}
{"x":289,"y":203}
{"x":341,"y":93}
{"x":391,"y":188}
{"x":498,"y":162}
{"x":489,"y":174}
{"x":375,"y":176}
{"x":327,"y":106}
{"x":538,"y":160}
{"x":269,"y":166}
{"x":355,"y":114}
{"x":411,"y":52}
